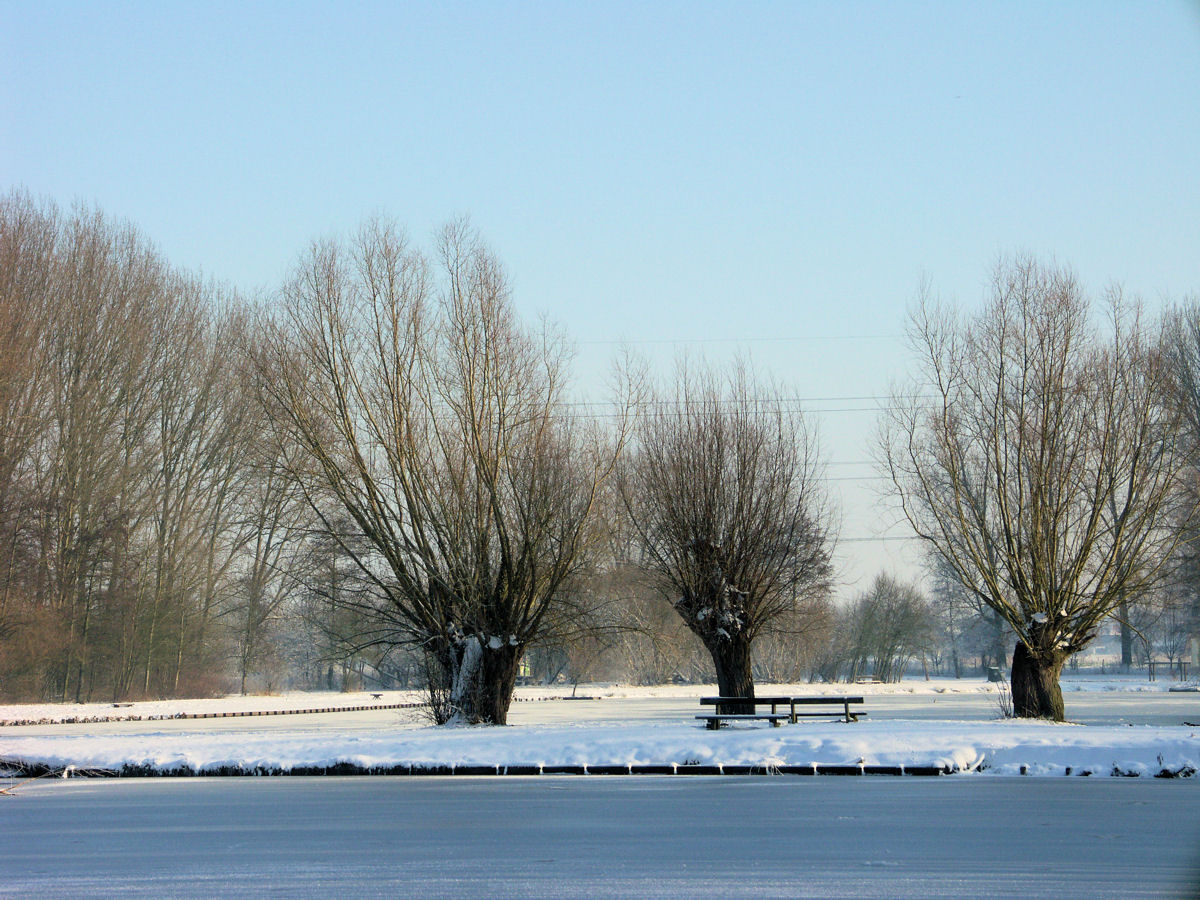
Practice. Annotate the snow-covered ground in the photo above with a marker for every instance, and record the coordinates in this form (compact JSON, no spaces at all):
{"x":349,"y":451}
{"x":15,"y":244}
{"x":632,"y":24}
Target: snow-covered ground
{"x":1133,"y":728}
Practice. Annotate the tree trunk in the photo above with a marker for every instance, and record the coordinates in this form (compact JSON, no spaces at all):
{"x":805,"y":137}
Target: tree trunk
{"x":735,"y":678}
{"x":1126,"y":638}
{"x":483,"y":689}
{"x":1035,"y":689}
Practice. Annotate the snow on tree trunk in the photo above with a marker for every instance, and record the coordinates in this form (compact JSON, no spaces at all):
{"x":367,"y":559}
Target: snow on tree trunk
{"x":1035,"y":688}
{"x":467,"y":673}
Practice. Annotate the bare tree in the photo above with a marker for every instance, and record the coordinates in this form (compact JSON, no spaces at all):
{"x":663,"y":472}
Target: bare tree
{"x":273,"y":562}
{"x":1039,"y":456}
{"x":201,"y":448}
{"x":106,"y":286}
{"x":28,"y":236}
{"x":1171,"y":633}
{"x":793,"y":652}
{"x":334,"y":617}
{"x":884,"y":629}
{"x":435,"y":422}
{"x":649,"y":642}
{"x":969,"y":627}
{"x":722,"y":488}
{"x":657,"y":647}
{"x":1185,"y":355}
{"x":120,"y":452}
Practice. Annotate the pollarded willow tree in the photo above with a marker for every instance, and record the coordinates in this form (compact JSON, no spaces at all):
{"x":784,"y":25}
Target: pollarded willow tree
{"x":429,"y":417}
{"x":732,"y":522}
{"x":1038,"y":454}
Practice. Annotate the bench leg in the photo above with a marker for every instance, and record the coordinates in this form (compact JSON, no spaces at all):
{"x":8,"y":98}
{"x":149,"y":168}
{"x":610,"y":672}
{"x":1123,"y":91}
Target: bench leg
{"x":713,"y":724}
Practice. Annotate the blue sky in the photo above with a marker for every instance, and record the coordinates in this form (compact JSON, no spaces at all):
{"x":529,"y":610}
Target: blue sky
{"x":767,"y":178}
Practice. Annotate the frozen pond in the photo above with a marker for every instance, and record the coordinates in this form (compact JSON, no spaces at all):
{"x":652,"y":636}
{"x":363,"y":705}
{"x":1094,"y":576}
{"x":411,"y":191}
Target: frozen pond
{"x":1084,"y":707}
{"x":602,"y":837}
{"x":1120,"y":707}
{"x":1090,"y":700}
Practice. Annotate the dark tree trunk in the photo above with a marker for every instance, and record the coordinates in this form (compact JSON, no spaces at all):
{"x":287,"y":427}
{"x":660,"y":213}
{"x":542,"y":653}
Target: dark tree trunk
{"x":1035,"y":689}
{"x":735,"y":678}
{"x":1126,"y":637}
{"x":498,"y":677}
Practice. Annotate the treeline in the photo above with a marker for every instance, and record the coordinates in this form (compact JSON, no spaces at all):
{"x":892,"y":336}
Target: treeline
{"x":379,"y":477}
{"x":145,"y":528}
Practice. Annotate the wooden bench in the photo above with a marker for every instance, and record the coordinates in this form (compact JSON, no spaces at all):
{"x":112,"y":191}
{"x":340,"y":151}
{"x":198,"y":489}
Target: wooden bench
{"x":377,"y":696}
{"x":713,"y":721}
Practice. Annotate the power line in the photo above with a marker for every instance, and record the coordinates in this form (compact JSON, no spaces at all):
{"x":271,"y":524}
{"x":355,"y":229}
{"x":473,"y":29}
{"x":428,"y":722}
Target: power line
{"x":825,"y":409}
{"x":859,"y":398}
{"x":869,"y":540}
{"x":748,"y":340}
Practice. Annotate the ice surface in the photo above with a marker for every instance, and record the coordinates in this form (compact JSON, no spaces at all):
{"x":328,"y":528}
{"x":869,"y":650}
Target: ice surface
{"x":603,"y":837}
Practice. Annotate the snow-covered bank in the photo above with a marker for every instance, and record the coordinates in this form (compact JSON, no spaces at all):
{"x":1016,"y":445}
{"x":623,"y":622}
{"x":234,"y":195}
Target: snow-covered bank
{"x":1001,"y":747}
{"x":944,"y":725}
